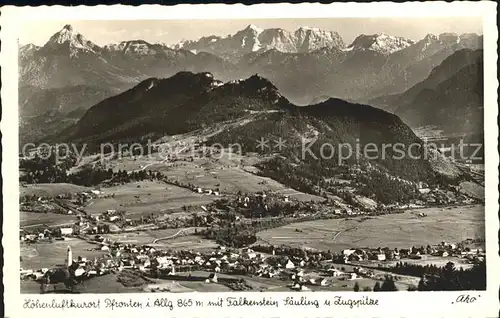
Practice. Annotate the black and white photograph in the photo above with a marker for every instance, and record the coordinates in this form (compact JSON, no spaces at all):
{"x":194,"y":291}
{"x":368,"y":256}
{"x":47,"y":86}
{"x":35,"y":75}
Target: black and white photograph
{"x":342,"y":154}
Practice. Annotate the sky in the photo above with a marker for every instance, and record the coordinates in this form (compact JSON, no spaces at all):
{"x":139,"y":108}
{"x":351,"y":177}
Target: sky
{"x":173,"y":31}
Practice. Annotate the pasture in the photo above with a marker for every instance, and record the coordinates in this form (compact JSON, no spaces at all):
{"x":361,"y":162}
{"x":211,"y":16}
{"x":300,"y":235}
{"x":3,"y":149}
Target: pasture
{"x":147,"y":237}
{"x":147,"y":197}
{"x":30,"y":219}
{"x":229,"y":179}
{"x":48,"y":255}
{"x":397,"y":230}
{"x":189,"y":242}
{"x":96,"y":285}
{"x":229,"y":172}
{"x":50,"y":189}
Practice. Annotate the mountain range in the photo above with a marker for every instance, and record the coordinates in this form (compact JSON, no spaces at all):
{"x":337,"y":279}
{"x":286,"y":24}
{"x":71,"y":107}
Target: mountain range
{"x":253,"y":39}
{"x":241,"y":111}
{"x":451,"y":97}
{"x":70,"y":74}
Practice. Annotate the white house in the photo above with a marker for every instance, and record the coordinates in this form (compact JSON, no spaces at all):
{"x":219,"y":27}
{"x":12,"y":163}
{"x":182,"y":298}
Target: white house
{"x":66,"y":230}
{"x":249,"y":253}
{"x":79,"y":271}
{"x":348,"y":252}
{"x":289,"y":265}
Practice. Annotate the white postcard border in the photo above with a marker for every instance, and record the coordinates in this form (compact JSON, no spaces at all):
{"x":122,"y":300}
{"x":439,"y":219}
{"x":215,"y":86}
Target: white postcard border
{"x":400,"y":304}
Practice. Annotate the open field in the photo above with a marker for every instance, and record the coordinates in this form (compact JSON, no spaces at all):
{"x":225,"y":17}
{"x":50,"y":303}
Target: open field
{"x":27,"y":219}
{"x":230,"y":179}
{"x":147,"y":197}
{"x":228,"y":172}
{"x":147,"y":237}
{"x":50,"y":189}
{"x":189,"y":242}
{"x":186,"y":241}
{"x":435,"y":260}
{"x":97,"y":285}
{"x":110,"y":284}
{"x":397,"y":230}
{"x":47,"y":255}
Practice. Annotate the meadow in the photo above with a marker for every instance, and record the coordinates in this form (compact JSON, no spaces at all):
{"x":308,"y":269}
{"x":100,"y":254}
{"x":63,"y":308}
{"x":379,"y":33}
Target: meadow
{"x":29,"y":219}
{"x":395,"y":231}
{"x":148,"y":237}
{"x":230,"y":173}
{"x":146,"y":197}
{"x":48,"y":255}
{"x":50,"y":189}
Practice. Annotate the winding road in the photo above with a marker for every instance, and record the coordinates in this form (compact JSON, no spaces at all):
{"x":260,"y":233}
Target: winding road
{"x":181,"y":231}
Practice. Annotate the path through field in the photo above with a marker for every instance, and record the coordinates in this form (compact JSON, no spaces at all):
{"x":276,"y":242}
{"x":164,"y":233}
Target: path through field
{"x":181,"y":231}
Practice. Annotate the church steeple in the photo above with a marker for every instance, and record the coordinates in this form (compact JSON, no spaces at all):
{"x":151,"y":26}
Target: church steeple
{"x":69,"y":257}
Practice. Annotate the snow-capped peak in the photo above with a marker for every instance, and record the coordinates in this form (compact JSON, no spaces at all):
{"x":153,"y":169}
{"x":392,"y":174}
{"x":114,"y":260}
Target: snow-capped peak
{"x":73,"y":38}
{"x":254,"y":28}
{"x":307,"y":28}
{"x":380,"y":42}
{"x":134,"y":47}
{"x":254,"y":39}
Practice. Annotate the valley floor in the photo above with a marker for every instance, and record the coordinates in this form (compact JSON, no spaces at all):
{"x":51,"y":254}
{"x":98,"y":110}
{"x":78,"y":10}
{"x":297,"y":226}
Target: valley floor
{"x":402,"y":230}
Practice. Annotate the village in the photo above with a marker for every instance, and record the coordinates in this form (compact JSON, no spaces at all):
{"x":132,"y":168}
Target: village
{"x":232,"y":264}
{"x":227,"y":239}
{"x":284,"y":265}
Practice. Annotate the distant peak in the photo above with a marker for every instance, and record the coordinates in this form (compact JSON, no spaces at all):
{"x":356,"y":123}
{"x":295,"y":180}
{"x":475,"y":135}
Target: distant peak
{"x":252,"y":27}
{"x":380,"y":42}
{"x":308,"y":28}
{"x":67,"y":36}
{"x":430,"y":36}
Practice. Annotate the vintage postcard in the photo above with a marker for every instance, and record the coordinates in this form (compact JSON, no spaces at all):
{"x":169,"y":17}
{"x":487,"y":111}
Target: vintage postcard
{"x":271,"y":160}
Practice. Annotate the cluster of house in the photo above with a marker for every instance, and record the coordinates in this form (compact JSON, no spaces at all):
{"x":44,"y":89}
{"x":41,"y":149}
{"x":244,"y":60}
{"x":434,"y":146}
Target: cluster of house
{"x":45,"y":234}
{"x":260,"y":199}
{"x":231,"y":261}
{"x":215,"y":192}
{"x":437,"y":196}
{"x":78,"y":267}
{"x":443,"y":249}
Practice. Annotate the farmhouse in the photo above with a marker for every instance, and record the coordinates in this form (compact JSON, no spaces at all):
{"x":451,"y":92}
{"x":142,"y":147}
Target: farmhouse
{"x":289,"y":265}
{"x":348,"y":252}
{"x":66,"y":230}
